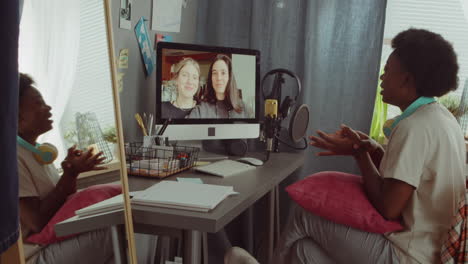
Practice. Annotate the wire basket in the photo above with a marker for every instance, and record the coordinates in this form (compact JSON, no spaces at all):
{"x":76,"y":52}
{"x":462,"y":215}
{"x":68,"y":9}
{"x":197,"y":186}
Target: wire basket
{"x":89,"y":133}
{"x":159,"y":161}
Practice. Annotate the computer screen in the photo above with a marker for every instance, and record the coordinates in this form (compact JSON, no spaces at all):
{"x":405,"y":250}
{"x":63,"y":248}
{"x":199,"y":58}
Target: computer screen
{"x":207,"y":92}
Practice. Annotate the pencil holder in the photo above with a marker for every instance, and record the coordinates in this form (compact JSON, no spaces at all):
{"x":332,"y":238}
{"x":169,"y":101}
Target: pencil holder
{"x":149,"y":141}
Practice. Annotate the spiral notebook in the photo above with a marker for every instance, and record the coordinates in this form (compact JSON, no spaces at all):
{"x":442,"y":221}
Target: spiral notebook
{"x":183,"y":195}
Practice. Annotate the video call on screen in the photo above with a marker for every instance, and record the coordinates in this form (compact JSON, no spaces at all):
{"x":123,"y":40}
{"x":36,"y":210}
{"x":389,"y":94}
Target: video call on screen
{"x":190,"y":90}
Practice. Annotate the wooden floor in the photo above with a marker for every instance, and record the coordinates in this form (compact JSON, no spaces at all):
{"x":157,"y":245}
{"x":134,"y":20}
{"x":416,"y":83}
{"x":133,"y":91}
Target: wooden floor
{"x":14,"y":255}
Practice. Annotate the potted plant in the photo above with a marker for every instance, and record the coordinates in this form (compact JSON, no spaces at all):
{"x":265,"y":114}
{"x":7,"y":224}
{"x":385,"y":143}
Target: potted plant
{"x":452,"y":103}
{"x":110,"y":135}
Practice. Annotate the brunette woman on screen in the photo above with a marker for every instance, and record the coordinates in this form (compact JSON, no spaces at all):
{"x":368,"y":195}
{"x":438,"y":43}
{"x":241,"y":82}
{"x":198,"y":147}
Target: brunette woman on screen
{"x":187,"y":79}
{"x":222,"y":99}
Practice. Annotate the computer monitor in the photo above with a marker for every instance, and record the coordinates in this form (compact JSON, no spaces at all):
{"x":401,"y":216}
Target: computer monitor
{"x":207,"y":92}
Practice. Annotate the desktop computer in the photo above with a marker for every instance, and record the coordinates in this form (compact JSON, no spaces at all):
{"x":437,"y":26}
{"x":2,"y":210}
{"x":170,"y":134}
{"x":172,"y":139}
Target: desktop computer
{"x":207,"y":92}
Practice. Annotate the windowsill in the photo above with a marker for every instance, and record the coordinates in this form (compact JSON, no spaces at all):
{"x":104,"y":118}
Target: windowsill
{"x":114,"y":165}
{"x":109,"y":175}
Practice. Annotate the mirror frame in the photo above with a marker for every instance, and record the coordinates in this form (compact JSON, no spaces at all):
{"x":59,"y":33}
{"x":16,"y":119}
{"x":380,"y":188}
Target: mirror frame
{"x":15,"y":253}
{"x":130,"y":237}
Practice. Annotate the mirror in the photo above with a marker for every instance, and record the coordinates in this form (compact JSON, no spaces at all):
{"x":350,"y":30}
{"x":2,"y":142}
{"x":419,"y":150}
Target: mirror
{"x":66,"y":48}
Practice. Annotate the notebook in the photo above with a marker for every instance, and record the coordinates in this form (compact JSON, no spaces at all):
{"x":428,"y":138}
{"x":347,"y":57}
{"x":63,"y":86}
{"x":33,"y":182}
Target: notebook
{"x":108,"y":205}
{"x":225,"y":168}
{"x":183,"y":195}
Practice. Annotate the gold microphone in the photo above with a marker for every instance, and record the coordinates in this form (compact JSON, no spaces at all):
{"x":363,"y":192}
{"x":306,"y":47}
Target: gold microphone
{"x":271,"y":108}
{"x":271,"y":115}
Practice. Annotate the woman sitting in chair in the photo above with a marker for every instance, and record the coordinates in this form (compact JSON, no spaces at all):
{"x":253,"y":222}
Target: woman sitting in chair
{"x":42,"y":191}
{"x":419,"y":178}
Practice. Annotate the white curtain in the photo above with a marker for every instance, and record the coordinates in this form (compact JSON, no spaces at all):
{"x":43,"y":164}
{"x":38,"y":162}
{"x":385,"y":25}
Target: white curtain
{"x":48,"y":51}
{"x":464,"y":4}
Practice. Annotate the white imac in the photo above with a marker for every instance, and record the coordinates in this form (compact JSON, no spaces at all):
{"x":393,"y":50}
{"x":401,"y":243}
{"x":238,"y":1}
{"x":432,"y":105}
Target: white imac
{"x":207,"y":92}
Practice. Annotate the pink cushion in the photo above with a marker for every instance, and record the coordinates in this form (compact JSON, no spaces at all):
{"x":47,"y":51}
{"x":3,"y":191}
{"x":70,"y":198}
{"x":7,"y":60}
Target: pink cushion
{"x":86,"y":197}
{"x":340,"y":197}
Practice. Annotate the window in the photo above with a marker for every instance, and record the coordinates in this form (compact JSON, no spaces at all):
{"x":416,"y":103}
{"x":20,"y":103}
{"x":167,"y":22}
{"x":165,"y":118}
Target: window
{"x":92,"y":89}
{"x":63,"y":46}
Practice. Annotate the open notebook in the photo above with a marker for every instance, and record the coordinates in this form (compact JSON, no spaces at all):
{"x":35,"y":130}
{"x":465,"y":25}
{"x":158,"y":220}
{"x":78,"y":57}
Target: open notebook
{"x":183,"y":195}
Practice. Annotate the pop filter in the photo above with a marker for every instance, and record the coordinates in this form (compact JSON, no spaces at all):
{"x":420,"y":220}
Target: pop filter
{"x":298,"y":123}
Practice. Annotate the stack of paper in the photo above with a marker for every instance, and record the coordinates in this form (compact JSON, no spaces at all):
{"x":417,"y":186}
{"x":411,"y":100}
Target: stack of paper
{"x":183,"y":195}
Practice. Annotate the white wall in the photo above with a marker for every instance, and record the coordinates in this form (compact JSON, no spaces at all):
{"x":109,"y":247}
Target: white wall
{"x":243,"y":67}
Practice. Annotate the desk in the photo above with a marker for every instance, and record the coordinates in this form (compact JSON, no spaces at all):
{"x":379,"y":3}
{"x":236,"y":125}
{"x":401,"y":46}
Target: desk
{"x":251,"y":185}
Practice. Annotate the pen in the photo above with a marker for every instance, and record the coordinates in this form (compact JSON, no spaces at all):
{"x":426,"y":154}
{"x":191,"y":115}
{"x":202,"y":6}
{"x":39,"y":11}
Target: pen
{"x":161,"y":132}
{"x":140,"y":123}
{"x":150,"y":124}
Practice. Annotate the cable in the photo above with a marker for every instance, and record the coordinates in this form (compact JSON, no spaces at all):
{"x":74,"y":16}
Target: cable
{"x":294,"y":147}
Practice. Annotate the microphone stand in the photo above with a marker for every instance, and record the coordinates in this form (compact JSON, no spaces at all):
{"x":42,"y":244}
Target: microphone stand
{"x":277,"y":134}
{"x":273,"y":123}
{"x":272,"y":129}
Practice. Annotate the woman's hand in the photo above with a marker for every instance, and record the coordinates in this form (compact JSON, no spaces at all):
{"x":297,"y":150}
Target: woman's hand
{"x":362,"y":142}
{"x":78,"y":161}
{"x":345,"y":141}
{"x":334,"y":143}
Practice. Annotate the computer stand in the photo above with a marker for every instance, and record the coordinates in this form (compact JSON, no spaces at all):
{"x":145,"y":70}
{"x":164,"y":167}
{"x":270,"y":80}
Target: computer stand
{"x":203,"y":155}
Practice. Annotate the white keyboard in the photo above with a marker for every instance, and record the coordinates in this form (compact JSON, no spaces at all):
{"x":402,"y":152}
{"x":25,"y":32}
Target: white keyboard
{"x":225,"y":168}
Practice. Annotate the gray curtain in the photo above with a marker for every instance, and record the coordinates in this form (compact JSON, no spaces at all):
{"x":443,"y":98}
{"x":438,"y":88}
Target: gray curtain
{"x":334,"y":46}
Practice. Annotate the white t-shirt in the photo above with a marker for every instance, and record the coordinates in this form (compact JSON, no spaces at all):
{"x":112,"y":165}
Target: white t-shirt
{"x":35,"y":180}
{"x":426,"y":150}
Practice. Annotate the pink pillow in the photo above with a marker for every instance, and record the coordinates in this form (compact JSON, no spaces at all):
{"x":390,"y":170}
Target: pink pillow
{"x":340,"y":197}
{"x":86,"y":197}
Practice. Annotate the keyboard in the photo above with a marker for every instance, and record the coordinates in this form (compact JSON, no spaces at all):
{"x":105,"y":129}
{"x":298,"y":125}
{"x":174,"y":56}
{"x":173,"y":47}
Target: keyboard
{"x":225,"y":168}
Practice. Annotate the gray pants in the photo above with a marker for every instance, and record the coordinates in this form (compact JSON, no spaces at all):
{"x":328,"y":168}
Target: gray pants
{"x":91,"y":247}
{"x":308,"y":238}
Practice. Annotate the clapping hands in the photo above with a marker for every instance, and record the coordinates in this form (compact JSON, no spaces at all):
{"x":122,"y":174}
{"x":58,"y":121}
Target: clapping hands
{"x":344,"y":141}
{"x":78,"y":161}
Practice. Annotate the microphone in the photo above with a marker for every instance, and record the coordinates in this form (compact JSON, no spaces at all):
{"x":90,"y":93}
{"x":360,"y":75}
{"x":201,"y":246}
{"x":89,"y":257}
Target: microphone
{"x":272,"y":120}
{"x":271,"y":117}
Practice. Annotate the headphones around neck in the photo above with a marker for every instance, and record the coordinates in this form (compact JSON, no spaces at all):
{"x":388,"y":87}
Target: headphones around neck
{"x":288,"y":102}
{"x":44,"y":153}
{"x":390,"y":124}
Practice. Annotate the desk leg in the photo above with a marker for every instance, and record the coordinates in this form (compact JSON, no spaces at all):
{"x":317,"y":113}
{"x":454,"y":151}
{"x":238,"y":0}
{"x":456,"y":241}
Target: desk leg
{"x":192,"y":246}
{"x":117,"y":246}
{"x":277,"y":216}
{"x":247,"y":228}
{"x":273,"y":222}
{"x":271,"y":212}
{"x":205,"y":247}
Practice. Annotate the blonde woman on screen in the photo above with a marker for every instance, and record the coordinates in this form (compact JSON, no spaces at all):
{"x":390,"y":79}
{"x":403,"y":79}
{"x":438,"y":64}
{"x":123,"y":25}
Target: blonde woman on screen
{"x":187,"y":79}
